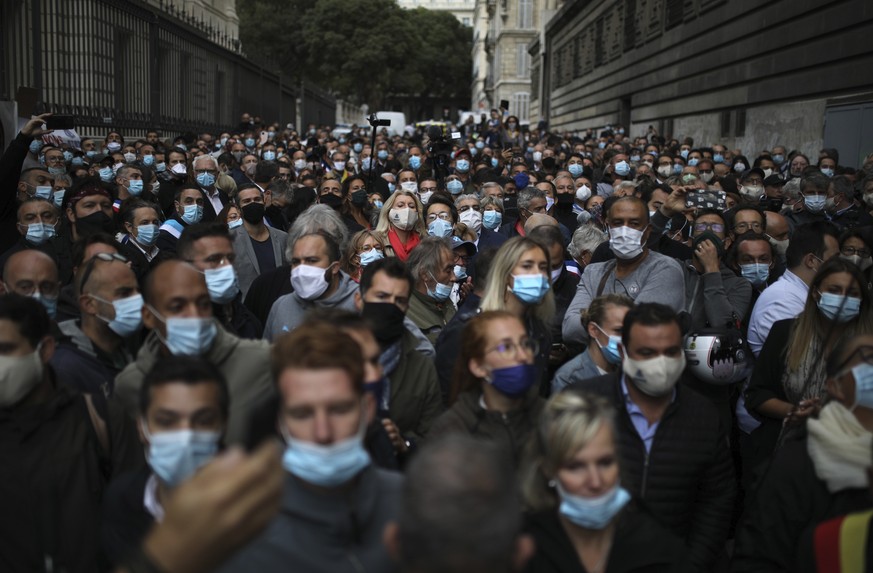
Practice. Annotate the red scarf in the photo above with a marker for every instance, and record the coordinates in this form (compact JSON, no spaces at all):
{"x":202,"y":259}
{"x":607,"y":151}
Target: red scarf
{"x":402,"y":251}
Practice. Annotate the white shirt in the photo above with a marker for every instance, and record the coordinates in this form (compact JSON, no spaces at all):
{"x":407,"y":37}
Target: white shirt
{"x":215,"y":199}
{"x":782,"y":300}
{"x":150,"y":499}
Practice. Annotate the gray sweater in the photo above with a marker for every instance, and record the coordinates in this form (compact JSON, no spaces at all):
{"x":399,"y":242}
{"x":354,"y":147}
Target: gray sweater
{"x":289,"y":311}
{"x":715,"y":299}
{"x":658,"y":279}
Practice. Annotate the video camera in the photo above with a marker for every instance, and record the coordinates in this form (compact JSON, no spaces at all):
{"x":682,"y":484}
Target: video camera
{"x":439,"y":148}
{"x":375,"y":122}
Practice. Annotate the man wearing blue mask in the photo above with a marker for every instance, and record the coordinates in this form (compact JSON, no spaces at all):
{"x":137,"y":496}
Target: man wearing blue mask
{"x":336,"y":503}
{"x":208,"y":247}
{"x":432,"y":264}
{"x":188,"y":205}
{"x":178,"y":312}
{"x":54,"y":440}
{"x":37,"y":225}
{"x":128,"y":183}
{"x":182,"y":418}
{"x":206,"y":174}
{"x":814,"y":192}
{"x":34,"y":274}
{"x":103,"y":341}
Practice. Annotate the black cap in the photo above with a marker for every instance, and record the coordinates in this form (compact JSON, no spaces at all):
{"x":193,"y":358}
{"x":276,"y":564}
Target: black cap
{"x":748,"y":172}
{"x":774,"y":180}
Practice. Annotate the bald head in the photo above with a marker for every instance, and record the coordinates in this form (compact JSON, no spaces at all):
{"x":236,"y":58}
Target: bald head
{"x":160,"y":282}
{"x":777,"y":225}
{"x":539,"y":220}
{"x":30,"y":271}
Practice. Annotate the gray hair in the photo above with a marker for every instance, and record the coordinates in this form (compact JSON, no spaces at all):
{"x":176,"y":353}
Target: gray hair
{"x":201,"y":158}
{"x":465,"y":197}
{"x":631,"y":186}
{"x":489,"y":185}
{"x":489,"y":201}
{"x":65,"y":178}
{"x":426,"y":257}
{"x":791,"y":189}
{"x":125,"y":169}
{"x":585,"y":238}
{"x":528,"y":194}
{"x":318,"y":218}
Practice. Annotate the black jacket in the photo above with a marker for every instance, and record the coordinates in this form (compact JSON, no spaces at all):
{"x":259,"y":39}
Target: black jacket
{"x":787,"y":505}
{"x":640,"y":544}
{"x":10,"y":172}
{"x":687,"y":480}
{"x":125,"y":520}
{"x":266,"y":289}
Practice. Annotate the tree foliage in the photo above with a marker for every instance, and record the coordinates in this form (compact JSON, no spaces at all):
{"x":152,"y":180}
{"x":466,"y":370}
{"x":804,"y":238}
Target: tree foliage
{"x":362,"y":50}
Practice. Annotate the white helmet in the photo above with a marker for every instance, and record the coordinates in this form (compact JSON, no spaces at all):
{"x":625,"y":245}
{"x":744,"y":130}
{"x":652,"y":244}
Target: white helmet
{"x":716,"y":356}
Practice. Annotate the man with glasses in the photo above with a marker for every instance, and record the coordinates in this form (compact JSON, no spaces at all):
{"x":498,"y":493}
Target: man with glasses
{"x":530,"y":200}
{"x":432,"y":264}
{"x":814,"y":188}
{"x":747,"y":218}
{"x":208,"y":247}
{"x":636,"y":271}
{"x":37,"y":225}
{"x":103,"y":341}
{"x":33,"y":274}
{"x":206,"y":174}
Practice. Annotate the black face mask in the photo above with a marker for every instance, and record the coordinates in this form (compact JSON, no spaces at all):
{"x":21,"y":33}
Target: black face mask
{"x":773,"y":204}
{"x":359,"y":198}
{"x":386,"y":320}
{"x":98,"y":222}
{"x":331,"y":200}
{"x":564,"y":199}
{"x":253,"y":213}
{"x":710,"y":236}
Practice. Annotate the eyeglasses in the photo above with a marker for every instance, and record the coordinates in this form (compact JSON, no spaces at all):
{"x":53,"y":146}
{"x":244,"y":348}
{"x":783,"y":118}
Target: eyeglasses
{"x":92,"y":262}
{"x":427,"y":189}
{"x":510,"y":349}
{"x":368,"y":248}
{"x":714,"y":227}
{"x":444,"y":216}
{"x":743,"y":227}
{"x":849,"y":251}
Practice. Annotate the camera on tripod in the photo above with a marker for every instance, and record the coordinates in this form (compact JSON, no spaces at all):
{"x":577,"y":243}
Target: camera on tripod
{"x":374,"y":121}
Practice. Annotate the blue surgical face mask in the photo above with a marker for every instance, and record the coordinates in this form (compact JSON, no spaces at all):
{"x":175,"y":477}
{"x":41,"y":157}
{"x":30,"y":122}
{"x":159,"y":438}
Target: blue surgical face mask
{"x":58,"y":197}
{"x":106,"y":174}
{"x":68,"y":156}
{"x":677,"y":168}
{"x":755,"y":273}
{"x":827,"y":171}
{"x":148,"y":160}
{"x":530,"y":289}
{"x":440,"y":292}
{"x":161,"y":167}
{"x":718,"y":158}
{"x":192,"y":214}
{"x":234,"y":224}
{"x":778,"y":159}
{"x":439,"y":228}
{"x":462,"y":165}
{"x":593,"y":512}
{"x":815,"y":203}
{"x":35,"y":146}
{"x":622,"y":168}
{"x":635,"y":158}
{"x":222,"y":284}
{"x":684,"y":153}
{"x":513,"y":381}
{"x":269,"y":155}
{"x":370,"y":256}
{"x":128,"y":314}
{"x":326,"y":466}
{"x":382,"y":154}
{"x":205,"y":179}
{"x":134,"y":186}
{"x":414,"y":161}
{"x":494,"y":163}
{"x":77,"y":161}
{"x":693,"y":161}
{"x":575,"y":169}
{"x":43,"y":191}
{"x":187,"y":336}
{"x":863,"y":374}
{"x":250,"y":142}
{"x":39,"y":233}
{"x":480,"y":144}
{"x":460,"y":273}
{"x":175,"y":456}
{"x":392,"y":187}
{"x":610,"y":351}
{"x":50,"y":303}
{"x":492,"y":219}
{"x":146,"y":235}
{"x":838,"y":307}
{"x":90,"y":153}
{"x":455,"y":186}
{"x":358,"y":147}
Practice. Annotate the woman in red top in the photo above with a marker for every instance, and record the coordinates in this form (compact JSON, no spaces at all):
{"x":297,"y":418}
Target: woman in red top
{"x":401,"y":223}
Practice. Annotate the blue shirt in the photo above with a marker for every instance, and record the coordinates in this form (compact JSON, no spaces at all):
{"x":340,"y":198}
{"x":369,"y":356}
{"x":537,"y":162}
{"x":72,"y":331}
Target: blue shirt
{"x":783,"y":299}
{"x":638,"y":419}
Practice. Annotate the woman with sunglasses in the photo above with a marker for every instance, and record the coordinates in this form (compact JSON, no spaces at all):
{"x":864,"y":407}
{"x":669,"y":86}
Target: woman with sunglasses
{"x":494,"y":395}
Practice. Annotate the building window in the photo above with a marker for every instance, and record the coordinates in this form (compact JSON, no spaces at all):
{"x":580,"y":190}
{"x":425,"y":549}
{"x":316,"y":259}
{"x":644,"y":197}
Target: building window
{"x":522,"y":61}
{"x":465,"y":21}
{"x":519,"y":106}
{"x":525,"y":14}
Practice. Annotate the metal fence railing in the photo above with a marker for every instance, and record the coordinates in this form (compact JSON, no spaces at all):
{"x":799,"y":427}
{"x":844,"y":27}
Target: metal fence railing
{"x":129,"y":66}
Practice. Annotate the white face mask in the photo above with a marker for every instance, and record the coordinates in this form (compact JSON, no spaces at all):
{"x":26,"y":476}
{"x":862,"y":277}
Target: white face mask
{"x":19,"y":375}
{"x":473,"y":219}
{"x":409,"y":186}
{"x":404,"y":219}
{"x":583,"y":193}
{"x":665,"y":171}
{"x":309,"y":282}
{"x":626,"y":242}
{"x":655,"y":376}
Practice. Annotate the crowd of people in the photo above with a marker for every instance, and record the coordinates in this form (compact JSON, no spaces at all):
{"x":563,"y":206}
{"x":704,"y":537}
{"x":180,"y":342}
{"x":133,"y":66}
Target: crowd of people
{"x":510,"y":350}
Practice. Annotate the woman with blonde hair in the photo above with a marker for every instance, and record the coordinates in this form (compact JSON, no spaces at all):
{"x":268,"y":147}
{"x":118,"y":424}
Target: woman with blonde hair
{"x":580,"y":516}
{"x":401,"y":223}
{"x":364,"y":248}
{"x":493,"y":395}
